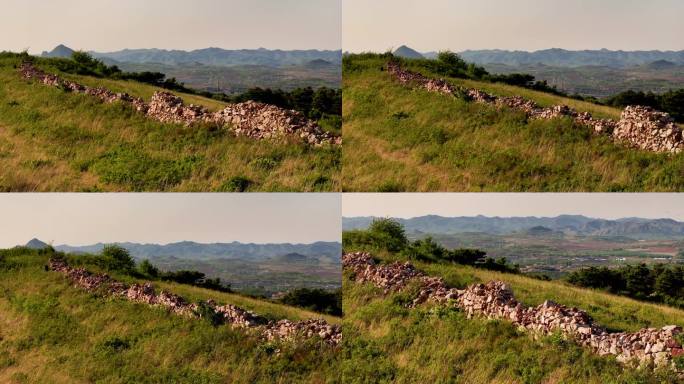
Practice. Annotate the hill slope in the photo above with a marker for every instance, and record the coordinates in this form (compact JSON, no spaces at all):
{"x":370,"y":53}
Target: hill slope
{"x":53,"y":332}
{"x":51,"y":140}
{"x":437,"y":344}
{"x":401,"y":139}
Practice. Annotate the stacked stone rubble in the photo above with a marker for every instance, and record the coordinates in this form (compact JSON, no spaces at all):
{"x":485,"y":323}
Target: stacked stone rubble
{"x":292,"y":330}
{"x":646,"y":128}
{"x":263,"y":121}
{"x":495,"y":300}
{"x":230,"y":314}
{"x":251,"y":119}
{"x":638,"y":127}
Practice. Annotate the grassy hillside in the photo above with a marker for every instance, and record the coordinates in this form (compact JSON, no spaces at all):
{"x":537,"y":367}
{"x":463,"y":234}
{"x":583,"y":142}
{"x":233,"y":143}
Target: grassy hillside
{"x":55,"y":141}
{"x":399,"y":139}
{"x":435,"y":344}
{"x":53,"y":332}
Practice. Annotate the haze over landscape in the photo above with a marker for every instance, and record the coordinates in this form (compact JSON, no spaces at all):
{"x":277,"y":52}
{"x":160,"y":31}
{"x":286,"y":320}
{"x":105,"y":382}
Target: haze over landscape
{"x":81,"y":219}
{"x":235,"y":24}
{"x":596,"y":205}
{"x":522,"y":25}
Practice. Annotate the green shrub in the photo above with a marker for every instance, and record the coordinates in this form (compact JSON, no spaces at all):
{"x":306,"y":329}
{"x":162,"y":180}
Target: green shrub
{"x":265,"y":163}
{"x":117,"y":258}
{"x":236,"y":184}
{"x":113,"y":344}
{"x":207,"y":313}
{"x":147,"y":269}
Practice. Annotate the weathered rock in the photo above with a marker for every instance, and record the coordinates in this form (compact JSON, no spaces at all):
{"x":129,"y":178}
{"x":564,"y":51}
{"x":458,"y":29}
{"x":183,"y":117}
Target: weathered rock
{"x":646,"y":128}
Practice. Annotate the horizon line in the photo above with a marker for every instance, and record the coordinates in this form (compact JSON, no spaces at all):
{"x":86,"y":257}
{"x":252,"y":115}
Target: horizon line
{"x":392,"y":49}
{"x":514,"y":217}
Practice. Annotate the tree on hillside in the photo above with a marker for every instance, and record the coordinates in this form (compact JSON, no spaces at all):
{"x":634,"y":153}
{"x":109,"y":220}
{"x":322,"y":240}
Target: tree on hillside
{"x":638,"y":281}
{"x":388,"y":234}
{"x":669,"y":283}
{"x":118,"y":258}
{"x":452,"y":60}
{"x":672,"y":102}
{"x":147,"y":269}
{"x":425,"y":250}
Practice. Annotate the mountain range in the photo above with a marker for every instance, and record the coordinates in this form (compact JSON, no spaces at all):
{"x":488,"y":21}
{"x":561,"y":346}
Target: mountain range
{"x":561,"y":57}
{"x":228,"y":71}
{"x":234,"y":250}
{"x":211,"y":56}
{"x":637,"y":228}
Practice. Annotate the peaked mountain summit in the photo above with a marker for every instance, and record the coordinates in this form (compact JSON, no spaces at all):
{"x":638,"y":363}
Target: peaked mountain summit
{"x":408,"y":53}
{"x":59,"y":51}
{"x":36,"y":244}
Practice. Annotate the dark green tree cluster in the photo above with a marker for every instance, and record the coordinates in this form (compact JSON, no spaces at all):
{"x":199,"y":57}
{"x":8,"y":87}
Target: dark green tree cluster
{"x":659,"y":283}
{"x":314,"y":299}
{"x":452,"y":65}
{"x":389,"y":235}
{"x":314,"y":104}
{"x":195,"y":278}
{"x":671,"y":102}
{"x":117,"y":258}
{"x":525,"y":81}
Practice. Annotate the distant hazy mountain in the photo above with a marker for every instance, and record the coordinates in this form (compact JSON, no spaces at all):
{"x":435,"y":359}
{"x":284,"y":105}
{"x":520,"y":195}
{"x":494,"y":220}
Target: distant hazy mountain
{"x":661,"y":64}
{"x":59,"y":51}
{"x":36,"y":244}
{"x":570,"y":224}
{"x":565,"y":58}
{"x":407,"y":52}
{"x":234,"y":250}
{"x":222,"y":57}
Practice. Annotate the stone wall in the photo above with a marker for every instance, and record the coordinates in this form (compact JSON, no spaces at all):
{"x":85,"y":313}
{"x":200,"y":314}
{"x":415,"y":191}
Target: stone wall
{"x":495,"y":300}
{"x":646,"y":128}
{"x":231,"y":315}
{"x":638,"y":127}
{"x":251,"y":119}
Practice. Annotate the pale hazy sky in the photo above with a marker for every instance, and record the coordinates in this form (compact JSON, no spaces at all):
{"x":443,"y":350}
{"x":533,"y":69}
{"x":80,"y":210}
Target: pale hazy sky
{"x":80,"y":219}
{"x":597,"y":205}
{"x":108,"y":25}
{"x":433,"y":25}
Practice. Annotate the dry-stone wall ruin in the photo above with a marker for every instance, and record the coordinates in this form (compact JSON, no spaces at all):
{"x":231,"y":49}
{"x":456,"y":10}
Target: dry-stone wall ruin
{"x":495,"y":300}
{"x":231,"y":315}
{"x":638,"y":127}
{"x":251,"y":119}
